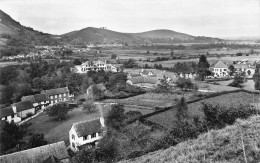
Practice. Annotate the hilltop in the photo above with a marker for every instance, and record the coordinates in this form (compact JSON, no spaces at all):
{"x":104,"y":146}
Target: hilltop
{"x":225,"y":145}
{"x":92,"y":35}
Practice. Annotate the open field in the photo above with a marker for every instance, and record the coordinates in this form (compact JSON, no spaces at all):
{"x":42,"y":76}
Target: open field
{"x":151,"y":99}
{"x":215,"y":88}
{"x":3,"y":64}
{"x":195,"y":109}
{"x":229,"y":60}
{"x":249,"y":85}
{"x":55,"y":131}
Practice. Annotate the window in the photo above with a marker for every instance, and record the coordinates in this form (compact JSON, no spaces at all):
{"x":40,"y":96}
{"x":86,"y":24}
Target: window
{"x":73,"y":145}
{"x":72,"y":136}
{"x":60,"y":99}
{"x":6,"y":118}
{"x":85,"y":137}
{"x":93,"y":135}
{"x":55,"y":96}
{"x":64,"y":95}
{"x":56,"y":101}
{"x":60,"y":95}
{"x":51,"y":97}
{"x":99,"y":133}
{"x":12,"y":116}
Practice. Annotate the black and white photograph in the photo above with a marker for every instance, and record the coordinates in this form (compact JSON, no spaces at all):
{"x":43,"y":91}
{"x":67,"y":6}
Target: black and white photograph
{"x":129,"y":81}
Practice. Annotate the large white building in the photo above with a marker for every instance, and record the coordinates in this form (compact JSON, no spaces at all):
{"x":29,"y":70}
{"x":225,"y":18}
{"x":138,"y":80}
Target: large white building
{"x":86,"y":133}
{"x":95,"y":66}
{"x":219,"y":68}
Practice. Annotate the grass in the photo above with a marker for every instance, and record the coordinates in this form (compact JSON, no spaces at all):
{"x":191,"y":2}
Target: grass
{"x":249,"y":85}
{"x":167,"y":118}
{"x":237,"y":143}
{"x":151,"y":99}
{"x":55,"y":131}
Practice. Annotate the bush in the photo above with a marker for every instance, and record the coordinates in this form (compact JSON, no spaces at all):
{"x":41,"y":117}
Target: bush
{"x":29,"y":115}
{"x":58,"y":111}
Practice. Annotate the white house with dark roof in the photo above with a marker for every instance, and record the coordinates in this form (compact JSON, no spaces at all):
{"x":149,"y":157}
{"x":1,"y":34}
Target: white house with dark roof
{"x":95,"y":66}
{"x":145,"y":72}
{"x":144,"y":81}
{"x":22,"y":109}
{"x":57,"y":95}
{"x":86,"y":133}
{"x":40,"y":154}
{"x":39,"y":101}
{"x":219,"y":68}
{"x":7,"y":114}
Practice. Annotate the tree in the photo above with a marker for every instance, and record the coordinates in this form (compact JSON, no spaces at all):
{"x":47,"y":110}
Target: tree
{"x":148,"y":52}
{"x":203,"y":66}
{"x":113,"y":56}
{"x":116,"y":117}
{"x":185,"y":84}
{"x":36,"y":140}
{"x":182,"y":110}
{"x":107,"y":150}
{"x":76,"y":61}
{"x":39,"y":83}
{"x":89,"y":106}
{"x":256,"y":77}
{"x":231,"y":70}
{"x":12,"y":135}
{"x":238,"y":81}
{"x":59,"y":111}
{"x":130,"y":115}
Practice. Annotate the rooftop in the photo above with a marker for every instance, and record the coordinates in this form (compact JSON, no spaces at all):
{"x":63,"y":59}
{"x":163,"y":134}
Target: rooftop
{"x":24,"y":105}
{"x":87,"y":127}
{"x":6,"y":112}
{"x":57,"y":91}
{"x":38,"y":154}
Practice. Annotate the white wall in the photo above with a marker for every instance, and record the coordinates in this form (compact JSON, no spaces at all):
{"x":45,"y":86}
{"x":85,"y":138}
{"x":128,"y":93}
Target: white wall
{"x":23,"y":114}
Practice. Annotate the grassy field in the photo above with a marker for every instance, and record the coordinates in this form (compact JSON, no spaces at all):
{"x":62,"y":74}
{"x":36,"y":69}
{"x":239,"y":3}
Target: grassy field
{"x":55,"y":131}
{"x":151,"y":99}
{"x":3,"y":64}
{"x":195,"y":109}
{"x":222,"y":146}
{"x":249,"y":85}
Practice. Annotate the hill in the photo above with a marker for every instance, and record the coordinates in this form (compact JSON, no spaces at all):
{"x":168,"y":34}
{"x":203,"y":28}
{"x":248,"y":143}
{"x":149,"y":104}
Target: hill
{"x":237,"y":143}
{"x":16,"y":38}
{"x":93,"y":35}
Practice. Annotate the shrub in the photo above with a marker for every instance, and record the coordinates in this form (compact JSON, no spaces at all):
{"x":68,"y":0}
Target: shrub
{"x":59,"y":111}
{"x":29,"y":115}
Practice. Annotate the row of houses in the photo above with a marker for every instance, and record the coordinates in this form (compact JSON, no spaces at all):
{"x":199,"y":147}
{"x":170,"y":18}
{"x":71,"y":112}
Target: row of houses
{"x":29,"y":105}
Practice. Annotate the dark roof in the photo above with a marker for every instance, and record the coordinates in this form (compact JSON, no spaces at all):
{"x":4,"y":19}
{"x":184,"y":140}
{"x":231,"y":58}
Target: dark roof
{"x":29,"y":98}
{"x":52,"y":159}
{"x":219,"y":64}
{"x":146,"y":72}
{"x":87,"y":127}
{"x":37,"y":155}
{"x":57,"y":91}
{"x":24,"y":105}
{"x":41,"y":97}
{"x":6,"y":112}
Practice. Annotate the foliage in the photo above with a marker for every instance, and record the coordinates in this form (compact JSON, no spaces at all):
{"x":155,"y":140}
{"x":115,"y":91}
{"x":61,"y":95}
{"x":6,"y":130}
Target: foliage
{"x":89,"y":106}
{"x":36,"y":140}
{"x":238,"y":81}
{"x":116,"y":117}
{"x":59,"y":110}
{"x":203,"y":66}
{"x":113,"y":56}
{"x":130,"y":64}
{"x":256,"y":77}
{"x":185,"y":84}
{"x":130,"y":115}
{"x":76,"y":61}
{"x":231,"y":70}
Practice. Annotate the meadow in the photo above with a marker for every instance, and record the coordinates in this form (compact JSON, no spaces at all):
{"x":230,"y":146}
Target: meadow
{"x":238,"y":99}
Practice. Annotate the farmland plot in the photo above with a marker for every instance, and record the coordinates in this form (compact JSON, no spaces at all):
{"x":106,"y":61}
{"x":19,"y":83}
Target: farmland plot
{"x":234,"y":100}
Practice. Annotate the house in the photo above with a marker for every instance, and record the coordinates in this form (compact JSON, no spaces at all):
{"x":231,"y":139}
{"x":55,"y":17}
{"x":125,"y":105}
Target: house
{"x":146,"y":72}
{"x":40,"y":154}
{"x":249,"y":70}
{"x":22,"y":109}
{"x":219,"y":68}
{"x":7,"y":114}
{"x":95,"y":66}
{"x":39,"y":101}
{"x":86,"y":133}
{"x":57,"y":95}
{"x":142,"y":81}
{"x":132,"y":75}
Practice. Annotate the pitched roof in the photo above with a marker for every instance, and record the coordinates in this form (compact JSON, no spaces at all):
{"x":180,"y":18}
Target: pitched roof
{"x":57,"y":91}
{"x":219,"y":64}
{"x":24,"y":105}
{"x":29,"y":98}
{"x":87,"y":127}
{"x":41,"y":97}
{"x":37,"y":155}
{"x":6,"y":112}
{"x":146,"y":72}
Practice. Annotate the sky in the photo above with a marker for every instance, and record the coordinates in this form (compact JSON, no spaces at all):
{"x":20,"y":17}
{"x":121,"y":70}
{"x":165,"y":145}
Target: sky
{"x":213,"y":18}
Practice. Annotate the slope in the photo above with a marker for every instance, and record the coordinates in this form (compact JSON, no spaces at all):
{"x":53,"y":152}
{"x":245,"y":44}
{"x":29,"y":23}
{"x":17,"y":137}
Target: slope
{"x":92,"y":35}
{"x":237,"y":143}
